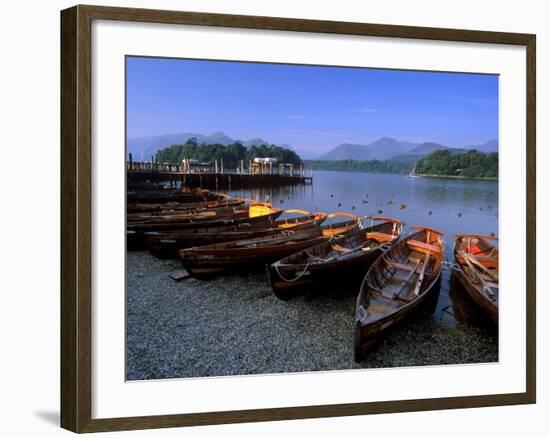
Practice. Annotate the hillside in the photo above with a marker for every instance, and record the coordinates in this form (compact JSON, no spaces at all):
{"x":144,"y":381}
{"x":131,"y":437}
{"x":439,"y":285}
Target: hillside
{"x":387,"y":148}
{"x":441,"y":162}
{"x":471,"y":164}
{"x":231,"y":154}
{"x":145,"y":147}
{"x":381,"y":149}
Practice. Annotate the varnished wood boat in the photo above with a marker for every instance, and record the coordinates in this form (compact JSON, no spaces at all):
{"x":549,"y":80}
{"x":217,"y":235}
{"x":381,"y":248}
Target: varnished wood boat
{"x":152,"y":208}
{"x":477,"y":270}
{"x":143,"y":185}
{"x":166,"y":243}
{"x":398,"y":282}
{"x":186,"y":215}
{"x":247,"y":255}
{"x":252,"y":215}
{"x":173,"y":195}
{"x":343,"y":260}
{"x":333,"y":228}
{"x":224,"y":215}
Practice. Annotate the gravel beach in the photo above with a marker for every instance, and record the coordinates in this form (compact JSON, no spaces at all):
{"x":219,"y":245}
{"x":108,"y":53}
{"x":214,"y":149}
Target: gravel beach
{"x":234,"y":325}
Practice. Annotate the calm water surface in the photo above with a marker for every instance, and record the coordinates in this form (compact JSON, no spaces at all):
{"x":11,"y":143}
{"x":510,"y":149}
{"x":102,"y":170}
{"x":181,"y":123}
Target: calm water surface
{"x":456,"y":206}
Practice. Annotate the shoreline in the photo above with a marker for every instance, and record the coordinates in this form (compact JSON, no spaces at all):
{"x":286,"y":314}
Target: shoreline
{"x":234,"y":325}
{"x":480,"y":178}
{"x":427,"y":175}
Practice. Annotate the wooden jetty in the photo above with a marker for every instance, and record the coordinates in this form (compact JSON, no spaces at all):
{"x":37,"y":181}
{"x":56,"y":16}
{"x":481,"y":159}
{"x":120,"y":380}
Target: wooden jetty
{"x":216,"y":177}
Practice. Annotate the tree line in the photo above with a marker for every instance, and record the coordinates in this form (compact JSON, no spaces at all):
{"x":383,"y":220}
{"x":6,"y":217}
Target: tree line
{"x":371,"y":166}
{"x":471,"y":164}
{"x":232,"y":154}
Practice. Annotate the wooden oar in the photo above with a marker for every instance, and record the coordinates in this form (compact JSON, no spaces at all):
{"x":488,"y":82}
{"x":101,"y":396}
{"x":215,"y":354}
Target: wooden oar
{"x":278,"y":239}
{"x":476,"y":262}
{"x":474,"y":271}
{"x":478,"y":236}
{"x":406,"y":281}
{"x":420,"y":278}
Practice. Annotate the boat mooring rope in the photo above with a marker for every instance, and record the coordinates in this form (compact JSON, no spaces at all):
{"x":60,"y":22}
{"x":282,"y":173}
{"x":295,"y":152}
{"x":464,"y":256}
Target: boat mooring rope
{"x":291,"y":280}
{"x":449,"y":265}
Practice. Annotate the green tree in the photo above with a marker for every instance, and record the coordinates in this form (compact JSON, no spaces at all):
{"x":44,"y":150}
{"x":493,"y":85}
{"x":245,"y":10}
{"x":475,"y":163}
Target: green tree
{"x":231,"y":154}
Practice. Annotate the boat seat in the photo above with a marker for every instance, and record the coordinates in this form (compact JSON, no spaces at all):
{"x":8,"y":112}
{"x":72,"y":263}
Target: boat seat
{"x":423,"y":247}
{"x":487,"y":261}
{"x":339,"y":248}
{"x":400,"y":266}
{"x":380,"y":236}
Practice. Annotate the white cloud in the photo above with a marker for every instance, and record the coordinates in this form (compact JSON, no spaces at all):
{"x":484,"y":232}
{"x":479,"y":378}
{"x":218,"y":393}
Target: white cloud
{"x":363,"y":110}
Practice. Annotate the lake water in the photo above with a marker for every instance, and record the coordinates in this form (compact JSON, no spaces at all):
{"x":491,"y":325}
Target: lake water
{"x":449,"y":205}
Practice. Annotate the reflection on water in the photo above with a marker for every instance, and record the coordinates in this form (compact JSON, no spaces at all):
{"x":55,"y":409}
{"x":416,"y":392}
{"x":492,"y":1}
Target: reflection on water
{"x":449,"y":205}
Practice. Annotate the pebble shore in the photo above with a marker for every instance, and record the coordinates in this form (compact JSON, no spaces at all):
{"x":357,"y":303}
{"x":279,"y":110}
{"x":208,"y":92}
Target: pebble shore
{"x":234,"y":325}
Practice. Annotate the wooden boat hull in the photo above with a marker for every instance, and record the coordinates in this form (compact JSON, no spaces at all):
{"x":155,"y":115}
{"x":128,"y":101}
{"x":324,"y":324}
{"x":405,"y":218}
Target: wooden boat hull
{"x":206,"y":262}
{"x":167,"y":244}
{"x":322,"y":265}
{"x":289,"y":281}
{"x":135,"y":232}
{"x":183,"y":216}
{"x":474,"y":291}
{"x":477,"y":297}
{"x":368,"y":336}
{"x":406,"y":277}
{"x":172,"y":195}
{"x":137,"y":207}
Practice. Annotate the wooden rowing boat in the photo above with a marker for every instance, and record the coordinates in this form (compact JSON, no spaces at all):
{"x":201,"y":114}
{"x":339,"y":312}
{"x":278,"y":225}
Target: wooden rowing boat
{"x":398,"y":282}
{"x":247,"y":255}
{"x":477,"y":270}
{"x":165,"y":244}
{"x":186,"y":215}
{"x":173,"y":195}
{"x":252,"y":214}
{"x":139,"y":207}
{"x":223,"y":215}
{"x":343,"y":260}
{"x":349,"y":223}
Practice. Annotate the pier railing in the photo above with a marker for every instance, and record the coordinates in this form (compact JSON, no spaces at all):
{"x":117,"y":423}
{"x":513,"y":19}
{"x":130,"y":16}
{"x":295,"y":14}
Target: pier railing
{"x":283,"y":169}
{"x":214,"y":175}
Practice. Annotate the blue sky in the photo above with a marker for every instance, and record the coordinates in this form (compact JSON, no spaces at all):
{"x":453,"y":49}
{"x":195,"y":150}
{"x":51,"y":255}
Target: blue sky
{"x":312,"y":108}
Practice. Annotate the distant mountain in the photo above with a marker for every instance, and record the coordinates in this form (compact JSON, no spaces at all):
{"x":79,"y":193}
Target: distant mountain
{"x":387,"y":147}
{"x":254,"y":142}
{"x":145,"y":147}
{"x":347,"y":151}
{"x":490,"y":146}
{"x":218,"y":137}
{"x":381,"y":149}
{"x":426,"y":148}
